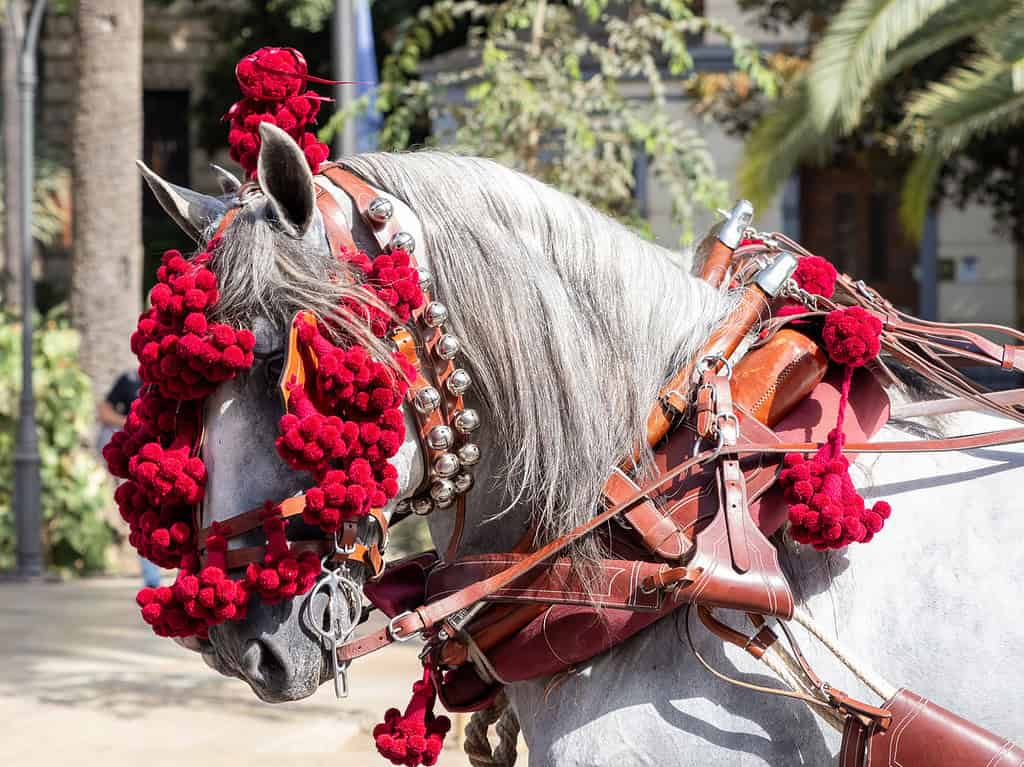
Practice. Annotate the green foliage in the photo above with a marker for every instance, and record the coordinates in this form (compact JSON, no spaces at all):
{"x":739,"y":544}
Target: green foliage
{"x":76,"y":489}
{"x":929,"y":81}
{"x":570,"y":93}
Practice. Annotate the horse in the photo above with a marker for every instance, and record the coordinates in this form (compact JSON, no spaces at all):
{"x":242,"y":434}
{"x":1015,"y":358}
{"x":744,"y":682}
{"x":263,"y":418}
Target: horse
{"x":569,"y":324}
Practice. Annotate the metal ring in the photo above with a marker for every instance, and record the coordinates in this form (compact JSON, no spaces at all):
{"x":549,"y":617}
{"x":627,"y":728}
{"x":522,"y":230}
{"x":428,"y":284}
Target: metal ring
{"x":716,"y":357}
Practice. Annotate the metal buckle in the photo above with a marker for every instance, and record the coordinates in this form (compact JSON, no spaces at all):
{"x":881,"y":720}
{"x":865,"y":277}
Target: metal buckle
{"x":394,"y":635}
{"x":339,"y":549}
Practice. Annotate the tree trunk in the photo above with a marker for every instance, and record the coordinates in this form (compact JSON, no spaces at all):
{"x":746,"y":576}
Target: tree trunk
{"x":107,"y":214}
{"x":13,"y":29}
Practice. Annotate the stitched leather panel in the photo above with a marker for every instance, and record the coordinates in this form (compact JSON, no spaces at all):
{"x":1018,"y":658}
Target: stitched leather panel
{"x":923,"y":734}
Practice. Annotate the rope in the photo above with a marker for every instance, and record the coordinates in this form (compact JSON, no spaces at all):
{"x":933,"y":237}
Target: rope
{"x":871,"y":678}
{"x":478,"y":746}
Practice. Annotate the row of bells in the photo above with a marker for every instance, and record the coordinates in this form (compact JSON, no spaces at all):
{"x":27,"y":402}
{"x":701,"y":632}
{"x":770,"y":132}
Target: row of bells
{"x":451,"y":477}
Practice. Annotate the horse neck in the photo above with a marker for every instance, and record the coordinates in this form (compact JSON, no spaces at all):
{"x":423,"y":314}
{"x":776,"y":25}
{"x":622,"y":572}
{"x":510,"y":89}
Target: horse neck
{"x":493,"y":523}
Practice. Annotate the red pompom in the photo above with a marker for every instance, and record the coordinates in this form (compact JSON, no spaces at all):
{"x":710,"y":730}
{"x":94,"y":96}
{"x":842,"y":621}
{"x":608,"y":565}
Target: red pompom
{"x":816,"y":275}
{"x":852,"y":336}
{"x":272,"y":74}
{"x":417,"y":736}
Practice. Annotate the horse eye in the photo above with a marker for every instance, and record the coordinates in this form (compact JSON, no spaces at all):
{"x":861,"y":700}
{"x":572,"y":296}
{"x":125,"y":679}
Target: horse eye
{"x":272,"y":368}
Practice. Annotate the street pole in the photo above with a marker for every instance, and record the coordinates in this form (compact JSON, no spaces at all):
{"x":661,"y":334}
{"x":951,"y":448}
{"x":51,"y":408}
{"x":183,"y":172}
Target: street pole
{"x":27,"y":488}
{"x":343,"y":65}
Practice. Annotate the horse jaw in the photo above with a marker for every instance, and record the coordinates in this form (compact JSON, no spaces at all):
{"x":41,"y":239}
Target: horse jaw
{"x":275,"y":649}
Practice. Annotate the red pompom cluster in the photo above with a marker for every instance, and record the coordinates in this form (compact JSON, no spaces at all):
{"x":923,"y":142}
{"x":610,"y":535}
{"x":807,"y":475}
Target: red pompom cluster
{"x":852,"y":336}
{"x":816,"y":275}
{"x":180,"y":352}
{"x":168,"y":475}
{"x":825,"y":510}
{"x":416,"y":737}
{"x":392,"y":279}
{"x":198,"y":599}
{"x":162,"y":533}
{"x":347,"y":451}
{"x":273,"y":83}
{"x":282,"y":575}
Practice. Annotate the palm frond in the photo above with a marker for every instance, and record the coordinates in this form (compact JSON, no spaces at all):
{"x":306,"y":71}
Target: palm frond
{"x":851,"y":56}
{"x":783,"y":138}
{"x":918,"y":187}
{"x":1004,"y":38}
{"x":959,"y":21}
{"x":971,"y":101}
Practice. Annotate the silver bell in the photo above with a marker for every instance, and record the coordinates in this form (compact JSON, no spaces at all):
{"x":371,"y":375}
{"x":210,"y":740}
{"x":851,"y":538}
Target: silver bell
{"x":467,"y":421}
{"x":447,"y":346}
{"x":469,"y":454}
{"x":446,"y":465}
{"x":422,"y":506}
{"x":425,"y":277}
{"x":380,"y":210}
{"x":443,"y":491}
{"x":436,"y":314}
{"x":403,"y":241}
{"x":459,"y":381}
{"x":463,"y":482}
{"x":427,"y":399}
{"x":440,"y":438}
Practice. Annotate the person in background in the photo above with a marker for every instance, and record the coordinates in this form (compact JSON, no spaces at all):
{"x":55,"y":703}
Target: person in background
{"x":112,"y":412}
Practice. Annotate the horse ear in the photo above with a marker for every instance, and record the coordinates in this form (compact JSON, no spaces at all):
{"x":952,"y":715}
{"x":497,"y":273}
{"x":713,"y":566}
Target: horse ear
{"x":194,"y":212}
{"x":229,"y":183}
{"x":285,"y":179}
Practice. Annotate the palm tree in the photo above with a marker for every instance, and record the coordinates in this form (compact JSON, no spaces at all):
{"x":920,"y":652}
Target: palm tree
{"x":867,"y":45}
{"x":107,"y":139}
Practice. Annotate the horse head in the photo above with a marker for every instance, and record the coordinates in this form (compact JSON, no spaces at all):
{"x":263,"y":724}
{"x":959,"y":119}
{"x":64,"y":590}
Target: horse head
{"x":568,"y":325}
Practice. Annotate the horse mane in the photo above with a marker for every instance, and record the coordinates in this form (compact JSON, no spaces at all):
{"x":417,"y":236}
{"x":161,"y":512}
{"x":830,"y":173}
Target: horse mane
{"x":569,"y":322}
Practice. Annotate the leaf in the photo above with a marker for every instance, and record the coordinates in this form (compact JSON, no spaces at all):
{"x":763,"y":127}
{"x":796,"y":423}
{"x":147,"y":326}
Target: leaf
{"x":849,"y":59}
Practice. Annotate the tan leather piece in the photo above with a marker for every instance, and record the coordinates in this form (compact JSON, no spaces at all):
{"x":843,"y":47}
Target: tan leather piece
{"x":616,"y":583}
{"x":774,"y":378}
{"x":923,"y":734}
{"x":366,"y":555}
{"x":659,"y":532}
{"x":335,"y":223}
{"x":716,"y":265}
{"x":250,"y":520}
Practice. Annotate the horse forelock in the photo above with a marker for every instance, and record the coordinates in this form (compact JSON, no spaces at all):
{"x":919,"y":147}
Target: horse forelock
{"x":570,"y":323}
{"x":265,"y":272}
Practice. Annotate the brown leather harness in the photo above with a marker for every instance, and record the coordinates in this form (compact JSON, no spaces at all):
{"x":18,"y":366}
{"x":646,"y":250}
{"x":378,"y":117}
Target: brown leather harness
{"x":686,"y":534}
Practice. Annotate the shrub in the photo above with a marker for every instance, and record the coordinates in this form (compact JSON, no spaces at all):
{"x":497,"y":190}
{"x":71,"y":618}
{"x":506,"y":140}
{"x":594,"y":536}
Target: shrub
{"x":76,"y":488}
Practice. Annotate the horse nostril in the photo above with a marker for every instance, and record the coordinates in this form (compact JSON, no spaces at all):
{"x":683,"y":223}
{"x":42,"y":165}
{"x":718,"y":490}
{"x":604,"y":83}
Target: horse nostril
{"x":251,"y":662}
{"x":262,"y":665}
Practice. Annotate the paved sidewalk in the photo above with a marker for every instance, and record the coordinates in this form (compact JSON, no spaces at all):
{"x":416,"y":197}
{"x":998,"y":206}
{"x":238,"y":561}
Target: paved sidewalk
{"x":84,"y":682}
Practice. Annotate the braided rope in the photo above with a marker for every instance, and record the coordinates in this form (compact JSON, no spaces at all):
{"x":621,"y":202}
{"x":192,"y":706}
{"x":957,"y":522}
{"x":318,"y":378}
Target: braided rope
{"x":871,"y":678}
{"x":478,"y":746}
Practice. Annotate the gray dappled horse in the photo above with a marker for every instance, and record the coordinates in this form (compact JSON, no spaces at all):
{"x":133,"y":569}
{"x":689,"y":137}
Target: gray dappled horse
{"x":570,"y":323}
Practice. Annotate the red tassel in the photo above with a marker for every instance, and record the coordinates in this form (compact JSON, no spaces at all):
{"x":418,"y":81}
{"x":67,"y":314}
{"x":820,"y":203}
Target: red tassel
{"x":416,"y":737}
{"x":825,"y":510}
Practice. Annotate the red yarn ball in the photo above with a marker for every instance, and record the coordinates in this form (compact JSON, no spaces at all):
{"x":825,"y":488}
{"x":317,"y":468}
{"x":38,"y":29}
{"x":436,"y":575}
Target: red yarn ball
{"x":272,"y":74}
{"x":852,"y":336}
{"x":816,"y":275}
